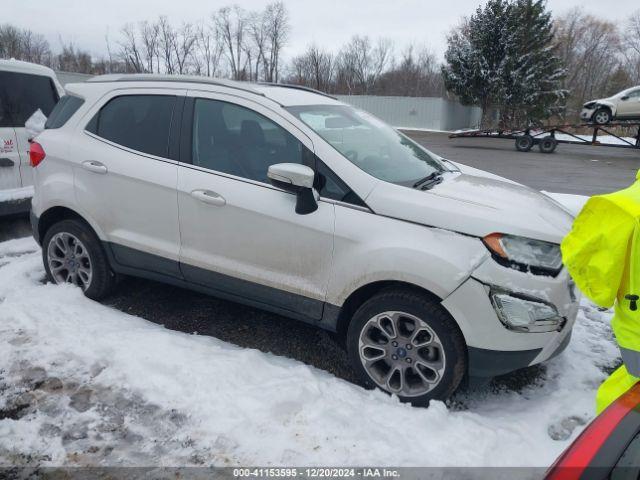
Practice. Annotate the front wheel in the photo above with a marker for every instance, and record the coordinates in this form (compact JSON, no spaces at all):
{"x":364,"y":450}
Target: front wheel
{"x":602,"y":116}
{"x":404,"y":343}
{"x":73,"y":254}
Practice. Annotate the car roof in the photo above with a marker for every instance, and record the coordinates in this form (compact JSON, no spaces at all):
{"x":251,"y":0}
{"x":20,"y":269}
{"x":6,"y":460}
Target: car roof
{"x":19,"y":66}
{"x":628,"y":90}
{"x":283,"y":94}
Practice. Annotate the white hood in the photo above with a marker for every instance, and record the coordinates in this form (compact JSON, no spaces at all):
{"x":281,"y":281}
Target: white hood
{"x":475,"y":203}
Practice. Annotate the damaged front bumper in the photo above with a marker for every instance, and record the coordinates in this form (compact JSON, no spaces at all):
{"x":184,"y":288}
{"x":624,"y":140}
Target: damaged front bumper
{"x":494,"y":347}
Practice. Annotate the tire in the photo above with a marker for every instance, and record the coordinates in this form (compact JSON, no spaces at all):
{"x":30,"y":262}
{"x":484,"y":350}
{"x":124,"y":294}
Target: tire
{"x":86,"y":255}
{"x":602,"y":116}
{"x":524,"y":143}
{"x":548,"y":145}
{"x":446,"y":355}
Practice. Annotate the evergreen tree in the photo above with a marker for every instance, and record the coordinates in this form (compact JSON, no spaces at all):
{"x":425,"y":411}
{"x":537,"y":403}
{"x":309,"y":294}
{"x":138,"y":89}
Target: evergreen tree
{"x":504,"y":58}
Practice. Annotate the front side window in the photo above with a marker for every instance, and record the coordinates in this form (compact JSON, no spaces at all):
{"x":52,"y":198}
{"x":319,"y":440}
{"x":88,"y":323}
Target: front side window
{"x":369,"y":143}
{"x":232,"y":139}
{"x":22,"y":94}
{"x":139,"y":122}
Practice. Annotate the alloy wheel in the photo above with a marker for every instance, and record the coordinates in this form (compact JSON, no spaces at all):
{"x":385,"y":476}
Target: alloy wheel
{"x":69,"y":260}
{"x":401,"y":353}
{"x":602,"y":117}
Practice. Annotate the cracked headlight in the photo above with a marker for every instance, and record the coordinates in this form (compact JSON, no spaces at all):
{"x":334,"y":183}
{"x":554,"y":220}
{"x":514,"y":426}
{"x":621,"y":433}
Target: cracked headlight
{"x":525,"y":254}
{"x":525,"y":315}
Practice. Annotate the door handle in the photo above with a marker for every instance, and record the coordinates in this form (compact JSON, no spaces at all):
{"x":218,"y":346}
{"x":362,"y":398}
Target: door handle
{"x":207,"y":196}
{"x":95,"y":167}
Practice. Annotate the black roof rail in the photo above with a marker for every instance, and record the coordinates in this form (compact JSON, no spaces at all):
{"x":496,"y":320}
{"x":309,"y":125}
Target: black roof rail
{"x":153,"y":77}
{"x":298,"y":87}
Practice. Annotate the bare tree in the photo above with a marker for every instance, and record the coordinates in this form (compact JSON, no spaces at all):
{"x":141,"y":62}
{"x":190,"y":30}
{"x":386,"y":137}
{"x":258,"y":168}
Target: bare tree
{"x":130,"y":49}
{"x":256,"y":45}
{"x":10,"y":42}
{"x":167,"y":39}
{"x":276,"y":25}
{"x":314,"y":68}
{"x":208,"y":50}
{"x":361,"y":63}
{"x":73,"y":59}
{"x":231,"y":24}
{"x":150,"y":39}
{"x":183,"y":46}
{"x":589,"y":48}
{"x":631,"y":47}
{"x":414,"y":75}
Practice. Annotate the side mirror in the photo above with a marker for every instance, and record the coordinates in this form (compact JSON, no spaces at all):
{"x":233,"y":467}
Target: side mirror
{"x":625,"y":98}
{"x":297,"y":179}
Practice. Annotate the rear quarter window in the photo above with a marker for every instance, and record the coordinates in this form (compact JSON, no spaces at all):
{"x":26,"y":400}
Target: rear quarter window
{"x":63,"y":111}
{"x":21,"y":94}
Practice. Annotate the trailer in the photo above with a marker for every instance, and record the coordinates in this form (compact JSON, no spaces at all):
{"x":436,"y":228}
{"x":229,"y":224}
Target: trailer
{"x":548,"y":138}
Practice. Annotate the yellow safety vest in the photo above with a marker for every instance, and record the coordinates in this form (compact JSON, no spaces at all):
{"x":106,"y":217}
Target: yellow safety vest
{"x":602,"y":254}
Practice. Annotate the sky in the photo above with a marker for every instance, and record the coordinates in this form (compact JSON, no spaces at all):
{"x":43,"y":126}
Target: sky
{"x":328,"y":23}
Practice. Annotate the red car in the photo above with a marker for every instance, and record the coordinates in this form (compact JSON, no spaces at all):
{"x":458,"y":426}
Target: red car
{"x":609,"y":448}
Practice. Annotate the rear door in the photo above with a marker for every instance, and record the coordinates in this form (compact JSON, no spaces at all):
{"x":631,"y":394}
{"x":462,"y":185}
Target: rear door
{"x":21,"y":94}
{"x":125,"y":176}
{"x":9,"y":156}
{"x":630,"y":108}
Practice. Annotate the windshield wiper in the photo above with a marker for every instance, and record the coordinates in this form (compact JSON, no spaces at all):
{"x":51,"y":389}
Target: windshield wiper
{"x":428,"y":181}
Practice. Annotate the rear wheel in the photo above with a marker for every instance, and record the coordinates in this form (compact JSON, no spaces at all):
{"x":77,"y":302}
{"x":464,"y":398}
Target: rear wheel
{"x":548,"y":145}
{"x":524,"y":143}
{"x":404,"y":343}
{"x":73,"y":254}
{"x":602,"y":116}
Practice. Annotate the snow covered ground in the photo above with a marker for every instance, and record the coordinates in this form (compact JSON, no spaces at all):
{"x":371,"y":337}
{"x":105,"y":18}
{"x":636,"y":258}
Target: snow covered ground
{"x":85,"y":384}
{"x":16,"y":194}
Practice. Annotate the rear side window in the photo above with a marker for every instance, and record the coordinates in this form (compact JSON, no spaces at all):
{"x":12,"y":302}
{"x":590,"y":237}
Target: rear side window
{"x":139,"y":122}
{"x":63,"y":111}
{"x":22,"y":94}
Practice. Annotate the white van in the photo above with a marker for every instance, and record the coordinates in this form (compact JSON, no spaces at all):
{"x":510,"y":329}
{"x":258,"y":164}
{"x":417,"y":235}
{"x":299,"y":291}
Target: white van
{"x":24,"y":88}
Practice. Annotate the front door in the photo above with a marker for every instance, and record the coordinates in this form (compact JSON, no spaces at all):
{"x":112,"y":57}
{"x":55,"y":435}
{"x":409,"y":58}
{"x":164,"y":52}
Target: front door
{"x":239,"y":234}
{"x":630,"y":108}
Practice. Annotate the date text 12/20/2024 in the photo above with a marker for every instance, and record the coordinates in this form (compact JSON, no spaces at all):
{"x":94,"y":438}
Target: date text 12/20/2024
{"x":315,"y":472}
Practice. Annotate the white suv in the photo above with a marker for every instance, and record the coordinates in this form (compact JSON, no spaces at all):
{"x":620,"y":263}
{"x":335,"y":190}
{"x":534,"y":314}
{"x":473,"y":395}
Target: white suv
{"x":24,"y":88}
{"x":288,"y":200}
{"x":622,"y":106}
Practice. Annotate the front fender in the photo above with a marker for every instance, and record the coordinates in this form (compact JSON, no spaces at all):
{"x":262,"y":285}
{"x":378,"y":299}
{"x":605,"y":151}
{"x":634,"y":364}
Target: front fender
{"x":610,"y":105}
{"x":371,"y":248}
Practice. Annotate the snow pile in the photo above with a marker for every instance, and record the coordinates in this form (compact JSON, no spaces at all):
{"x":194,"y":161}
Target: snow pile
{"x":16,"y":194}
{"x":84,"y":384}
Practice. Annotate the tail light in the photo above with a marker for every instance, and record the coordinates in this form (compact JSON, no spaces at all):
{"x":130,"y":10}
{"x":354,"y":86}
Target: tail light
{"x":36,"y":154}
{"x":576,"y":459}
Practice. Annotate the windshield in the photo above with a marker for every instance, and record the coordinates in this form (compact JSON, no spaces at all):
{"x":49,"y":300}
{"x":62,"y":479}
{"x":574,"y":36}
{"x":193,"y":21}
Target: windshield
{"x":369,"y":143}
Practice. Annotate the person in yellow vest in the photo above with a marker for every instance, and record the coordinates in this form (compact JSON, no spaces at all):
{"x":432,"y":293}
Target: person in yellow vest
{"x":602,"y":254}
